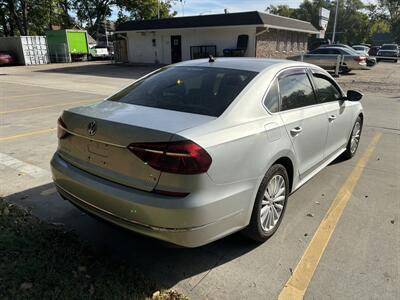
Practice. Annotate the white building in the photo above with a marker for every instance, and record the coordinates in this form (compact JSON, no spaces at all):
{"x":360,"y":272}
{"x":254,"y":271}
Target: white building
{"x":172,"y":40}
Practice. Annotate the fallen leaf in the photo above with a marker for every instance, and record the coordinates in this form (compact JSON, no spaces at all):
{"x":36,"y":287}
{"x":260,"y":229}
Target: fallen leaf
{"x":91,"y":289}
{"x":82,"y":269}
{"x":392,"y":221}
{"x":6,"y":211}
{"x":156,"y":294}
{"x":310,"y":215}
{"x":26,"y":285}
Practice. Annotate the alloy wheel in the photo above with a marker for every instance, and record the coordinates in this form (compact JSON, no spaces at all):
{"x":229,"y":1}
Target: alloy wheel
{"x":355,"y":137}
{"x":273,"y":202}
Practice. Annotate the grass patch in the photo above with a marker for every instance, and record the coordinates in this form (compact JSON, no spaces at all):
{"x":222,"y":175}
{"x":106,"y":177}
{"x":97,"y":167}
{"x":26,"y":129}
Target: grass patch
{"x":43,"y":261}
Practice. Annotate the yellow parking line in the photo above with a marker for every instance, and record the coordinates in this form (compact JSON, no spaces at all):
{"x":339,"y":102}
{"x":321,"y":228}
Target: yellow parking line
{"x":298,"y":282}
{"x":24,"y":134}
{"x":43,"y":106}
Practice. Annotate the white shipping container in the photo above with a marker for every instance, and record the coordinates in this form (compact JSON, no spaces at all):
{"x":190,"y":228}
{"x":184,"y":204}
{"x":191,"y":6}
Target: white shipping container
{"x":27,"y":50}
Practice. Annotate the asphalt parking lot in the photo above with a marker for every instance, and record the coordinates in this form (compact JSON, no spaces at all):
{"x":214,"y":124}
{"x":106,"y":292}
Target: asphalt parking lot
{"x":340,"y":237}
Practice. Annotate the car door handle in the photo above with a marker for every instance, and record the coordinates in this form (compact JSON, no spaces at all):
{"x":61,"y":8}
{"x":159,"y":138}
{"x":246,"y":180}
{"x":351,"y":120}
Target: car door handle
{"x":295,"y":131}
{"x":332,"y":118}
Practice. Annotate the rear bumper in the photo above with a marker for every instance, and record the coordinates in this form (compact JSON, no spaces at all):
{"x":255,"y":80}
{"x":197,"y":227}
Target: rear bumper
{"x":188,"y":222}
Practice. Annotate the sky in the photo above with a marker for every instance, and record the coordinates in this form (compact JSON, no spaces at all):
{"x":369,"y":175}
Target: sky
{"x":196,"y":7}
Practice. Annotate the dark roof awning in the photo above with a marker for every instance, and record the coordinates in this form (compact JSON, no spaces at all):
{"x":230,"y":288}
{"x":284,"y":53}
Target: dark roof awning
{"x":255,"y":18}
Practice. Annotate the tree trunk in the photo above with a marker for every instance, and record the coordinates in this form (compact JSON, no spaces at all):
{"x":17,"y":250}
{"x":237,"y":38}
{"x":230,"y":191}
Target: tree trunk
{"x":65,"y":8}
{"x":24,"y":17}
{"x":5,"y":25}
{"x":15,"y":17}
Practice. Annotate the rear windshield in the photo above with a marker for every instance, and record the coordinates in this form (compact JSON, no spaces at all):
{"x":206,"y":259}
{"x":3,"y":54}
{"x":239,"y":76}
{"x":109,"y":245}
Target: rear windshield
{"x":198,"y":90}
{"x":389,"y":47}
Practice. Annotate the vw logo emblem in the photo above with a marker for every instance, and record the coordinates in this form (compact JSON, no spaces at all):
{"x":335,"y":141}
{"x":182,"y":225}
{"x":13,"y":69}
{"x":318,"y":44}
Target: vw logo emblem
{"x":92,"y":128}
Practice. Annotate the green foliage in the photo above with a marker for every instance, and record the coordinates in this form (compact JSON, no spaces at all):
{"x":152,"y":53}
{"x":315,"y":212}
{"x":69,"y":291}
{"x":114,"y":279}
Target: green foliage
{"x":392,"y":9}
{"x":356,"y":22}
{"x":41,"y":261}
{"x":32,"y":17}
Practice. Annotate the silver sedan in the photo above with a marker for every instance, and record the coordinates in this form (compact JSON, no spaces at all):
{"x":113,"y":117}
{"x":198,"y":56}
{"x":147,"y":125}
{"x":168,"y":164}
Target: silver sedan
{"x":327,"y":58}
{"x":198,"y":150}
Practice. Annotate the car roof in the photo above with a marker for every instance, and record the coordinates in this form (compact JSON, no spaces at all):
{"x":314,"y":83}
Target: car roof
{"x":241,"y":63}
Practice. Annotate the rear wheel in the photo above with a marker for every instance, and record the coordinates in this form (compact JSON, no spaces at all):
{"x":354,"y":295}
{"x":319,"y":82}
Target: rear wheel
{"x":395,"y":61}
{"x":354,"y":140}
{"x":269,"y":205}
{"x":345,"y":70}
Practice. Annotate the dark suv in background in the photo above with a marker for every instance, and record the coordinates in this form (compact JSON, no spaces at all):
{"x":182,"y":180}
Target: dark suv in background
{"x":387,"y":51}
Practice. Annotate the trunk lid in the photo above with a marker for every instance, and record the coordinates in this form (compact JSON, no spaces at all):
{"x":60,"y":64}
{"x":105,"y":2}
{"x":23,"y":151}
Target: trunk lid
{"x":113,"y":126}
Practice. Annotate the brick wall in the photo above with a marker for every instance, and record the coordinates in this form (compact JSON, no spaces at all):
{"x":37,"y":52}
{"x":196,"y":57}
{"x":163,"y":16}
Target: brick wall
{"x":280,"y":43}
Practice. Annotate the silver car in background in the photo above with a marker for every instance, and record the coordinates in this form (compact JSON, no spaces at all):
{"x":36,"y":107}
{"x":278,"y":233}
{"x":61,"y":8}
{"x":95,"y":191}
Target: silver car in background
{"x":198,"y":150}
{"x":326,"y":57}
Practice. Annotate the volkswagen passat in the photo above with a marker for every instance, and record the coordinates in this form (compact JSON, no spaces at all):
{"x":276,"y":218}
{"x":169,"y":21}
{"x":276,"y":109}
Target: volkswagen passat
{"x":195,"y":151}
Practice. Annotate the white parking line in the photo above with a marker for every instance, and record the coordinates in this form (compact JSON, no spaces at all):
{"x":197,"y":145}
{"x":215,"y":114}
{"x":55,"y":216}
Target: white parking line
{"x":22,"y":167}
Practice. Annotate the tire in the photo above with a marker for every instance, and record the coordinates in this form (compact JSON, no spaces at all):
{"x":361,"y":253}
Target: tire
{"x":351,"y":149}
{"x":395,"y":61}
{"x":257,"y":229}
{"x":345,"y":70}
{"x":378,"y":60}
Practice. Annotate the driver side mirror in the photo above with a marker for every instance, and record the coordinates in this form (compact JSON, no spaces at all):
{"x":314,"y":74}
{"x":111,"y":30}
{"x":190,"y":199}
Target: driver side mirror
{"x":353,"y":95}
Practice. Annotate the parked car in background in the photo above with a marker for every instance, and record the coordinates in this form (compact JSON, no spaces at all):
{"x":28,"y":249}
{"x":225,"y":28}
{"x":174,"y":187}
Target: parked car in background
{"x":370,"y":60}
{"x":326,"y":57}
{"x":98,"y":52}
{"x":361,"y":49}
{"x":373,"y":51}
{"x":6,"y":58}
{"x":316,"y":43}
{"x":198,"y":150}
{"x":337,"y":46}
{"x":388,"y":52}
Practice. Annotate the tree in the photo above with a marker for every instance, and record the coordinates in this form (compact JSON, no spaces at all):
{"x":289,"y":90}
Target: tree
{"x":282,"y":10}
{"x":355,"y":24}
{"x":94,"y":12}
{"x":392,"y":9}
{"x":147,"y":9}
{"x":32,"y":17}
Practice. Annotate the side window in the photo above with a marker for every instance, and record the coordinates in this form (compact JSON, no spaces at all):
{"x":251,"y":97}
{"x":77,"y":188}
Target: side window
{"x":318,"y":51}
{"x":296,"y":91}
{"x":325,"y":89}
{"x":334,"y":51}
{"x":271,"y":101}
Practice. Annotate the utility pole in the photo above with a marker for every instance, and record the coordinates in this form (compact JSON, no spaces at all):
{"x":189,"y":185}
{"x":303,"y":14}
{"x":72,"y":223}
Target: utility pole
{"x":334,"y":24}
{"x":158,"y":9}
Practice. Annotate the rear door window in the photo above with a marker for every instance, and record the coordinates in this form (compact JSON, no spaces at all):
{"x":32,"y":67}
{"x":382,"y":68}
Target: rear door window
{"x":198,"y":90}
{"x":296,"y":91}
{"x":326,"y":90}
{"x":271,"y":101}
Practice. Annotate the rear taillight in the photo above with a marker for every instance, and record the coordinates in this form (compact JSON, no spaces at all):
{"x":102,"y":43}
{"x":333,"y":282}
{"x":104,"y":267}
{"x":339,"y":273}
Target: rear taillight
{"x":61,"y":132}
{"x":360,"y":59}
{"x":183,"y":157}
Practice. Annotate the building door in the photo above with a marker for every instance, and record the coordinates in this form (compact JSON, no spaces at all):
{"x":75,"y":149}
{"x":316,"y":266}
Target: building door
{"x":176,"y":49}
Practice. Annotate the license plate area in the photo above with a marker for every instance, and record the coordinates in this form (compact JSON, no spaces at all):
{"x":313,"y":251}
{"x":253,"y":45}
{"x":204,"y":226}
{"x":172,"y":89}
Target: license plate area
{"x":98,"y":153}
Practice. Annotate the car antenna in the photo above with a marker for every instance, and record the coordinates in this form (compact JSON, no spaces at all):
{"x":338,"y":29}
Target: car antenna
{"x":211,"y":58}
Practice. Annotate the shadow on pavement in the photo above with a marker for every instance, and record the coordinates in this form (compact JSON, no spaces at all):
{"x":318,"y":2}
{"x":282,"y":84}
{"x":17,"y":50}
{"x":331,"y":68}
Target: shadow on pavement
{"x":164,"y":263}
{"x":104,"y":69}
